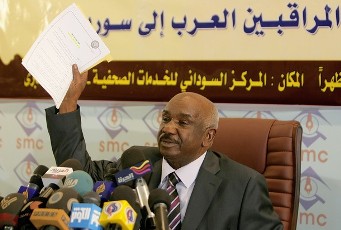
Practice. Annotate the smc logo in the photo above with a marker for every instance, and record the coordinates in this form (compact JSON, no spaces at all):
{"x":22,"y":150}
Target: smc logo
{"x":260,"y":114}
{"x":311,"y":122}
{"x":112,"y":120}
{"x":153,"y":119}
{"x":28,"y":118}
{"x":311,"y":186}
{"x":24,"y":170}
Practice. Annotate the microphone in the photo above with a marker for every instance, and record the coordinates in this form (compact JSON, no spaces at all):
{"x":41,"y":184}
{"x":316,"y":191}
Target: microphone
{"x":10,"y":207}
{"x":72,"y":163}
{"x":132,"y":157}
{"x":80,"y":181}
{"x":143,"y":171}
{"x":124,"y":192}
{"x":63,"y":198}
{"x":122,"y":211}
{"x":92,"y":198}
{"x":48,"y":218}
{"x":106,"y":187}
{"x":57,"y":175}
{"x":40,"y":201}
{"x":133,"y":171}
{"x":86,"y":215}
{"x":160,"y":201}
{"x":58,"y":208}
{"x":35,"y":184}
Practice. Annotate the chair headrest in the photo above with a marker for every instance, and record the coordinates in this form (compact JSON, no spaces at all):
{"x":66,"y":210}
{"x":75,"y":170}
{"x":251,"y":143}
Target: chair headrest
{"x":244,"y":140}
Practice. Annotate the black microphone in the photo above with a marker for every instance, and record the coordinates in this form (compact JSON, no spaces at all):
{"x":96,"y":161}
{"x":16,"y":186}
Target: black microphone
{"x":63,"y":199}
{"x":134,"y":156}
{"x":72,"y":163}
{"x":129,"y":158}
{"x":10,"y":207}
{"x":40,"y":201}
{"x":160,"y":201}
{"x":35,"y":183}
{"x":92,"y":197}
{"x":124,"y":192}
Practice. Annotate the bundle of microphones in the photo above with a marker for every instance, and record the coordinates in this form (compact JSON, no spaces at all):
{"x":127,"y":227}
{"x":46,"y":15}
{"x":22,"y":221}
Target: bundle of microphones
{"x":66,"y":197}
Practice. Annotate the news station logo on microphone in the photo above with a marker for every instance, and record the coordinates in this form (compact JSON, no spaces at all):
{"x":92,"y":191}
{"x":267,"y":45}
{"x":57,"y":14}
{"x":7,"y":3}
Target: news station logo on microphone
{"x":56,"y":175}
{"x":119,"y":213}
{"x":104,"y":189}
{"x":85,"y":216}
{"x":133,"y":172}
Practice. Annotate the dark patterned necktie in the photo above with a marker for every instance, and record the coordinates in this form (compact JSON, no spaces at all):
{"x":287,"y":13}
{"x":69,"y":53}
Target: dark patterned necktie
{"x":174,"y":217}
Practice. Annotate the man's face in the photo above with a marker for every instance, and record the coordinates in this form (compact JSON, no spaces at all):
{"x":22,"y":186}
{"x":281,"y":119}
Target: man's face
{"x":181,"y":132}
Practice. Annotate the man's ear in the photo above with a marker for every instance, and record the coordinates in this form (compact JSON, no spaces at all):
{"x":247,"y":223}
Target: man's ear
{"x":208,"y":140}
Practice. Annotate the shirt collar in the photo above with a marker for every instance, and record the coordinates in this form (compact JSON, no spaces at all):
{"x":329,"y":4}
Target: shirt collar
{"x":187,"y":173}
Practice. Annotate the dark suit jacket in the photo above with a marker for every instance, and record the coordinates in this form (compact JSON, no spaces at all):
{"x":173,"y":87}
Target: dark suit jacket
{"x":227,"y":195}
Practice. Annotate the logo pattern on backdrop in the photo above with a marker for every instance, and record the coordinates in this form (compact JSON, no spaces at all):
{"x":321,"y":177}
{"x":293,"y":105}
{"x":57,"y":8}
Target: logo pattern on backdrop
{"x":112,"y":120}
{"x":25,"y":168}
{"x":311,"y":121}
{"x":27,"y":118}
{"x":153,"y":119}
{"x":310,"y":192}
{"x":260,"y":114}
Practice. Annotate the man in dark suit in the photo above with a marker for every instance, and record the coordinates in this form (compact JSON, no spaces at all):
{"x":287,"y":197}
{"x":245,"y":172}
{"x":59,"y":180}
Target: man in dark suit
{"x":215,"y":192}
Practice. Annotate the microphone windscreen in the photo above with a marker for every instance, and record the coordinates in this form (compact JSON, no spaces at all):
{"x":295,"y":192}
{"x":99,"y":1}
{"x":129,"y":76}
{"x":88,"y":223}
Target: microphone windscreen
{"x":12,"y":203}
{"x":124,"y":192}
{"x":80,"y":181}
{"x":40,"y":170}
{"x":158,"y":196}
{"x":133,"y":156}
{"x":92,"y":197}
{"x":72,"y":163}
{"x":110,"y":174}
{"x":63,"y":199}
{"x":36,"y":180}
{"x":10,"y":207}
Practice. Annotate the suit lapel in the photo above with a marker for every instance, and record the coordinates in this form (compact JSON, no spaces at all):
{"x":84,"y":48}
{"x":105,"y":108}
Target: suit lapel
{"x":155,"y":177}
{"x":205,"y":188}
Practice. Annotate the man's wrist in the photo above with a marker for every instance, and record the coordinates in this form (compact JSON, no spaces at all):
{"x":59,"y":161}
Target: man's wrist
{"x":67,"y":107}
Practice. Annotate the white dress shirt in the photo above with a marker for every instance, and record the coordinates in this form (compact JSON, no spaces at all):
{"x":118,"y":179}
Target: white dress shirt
{"x":187,"y":175}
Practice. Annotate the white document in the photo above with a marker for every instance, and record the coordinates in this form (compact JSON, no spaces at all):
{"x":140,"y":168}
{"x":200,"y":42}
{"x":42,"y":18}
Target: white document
{"x":69,"y":39}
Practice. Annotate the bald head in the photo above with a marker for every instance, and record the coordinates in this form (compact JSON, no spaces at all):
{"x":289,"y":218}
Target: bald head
{"x":205,"y":109}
